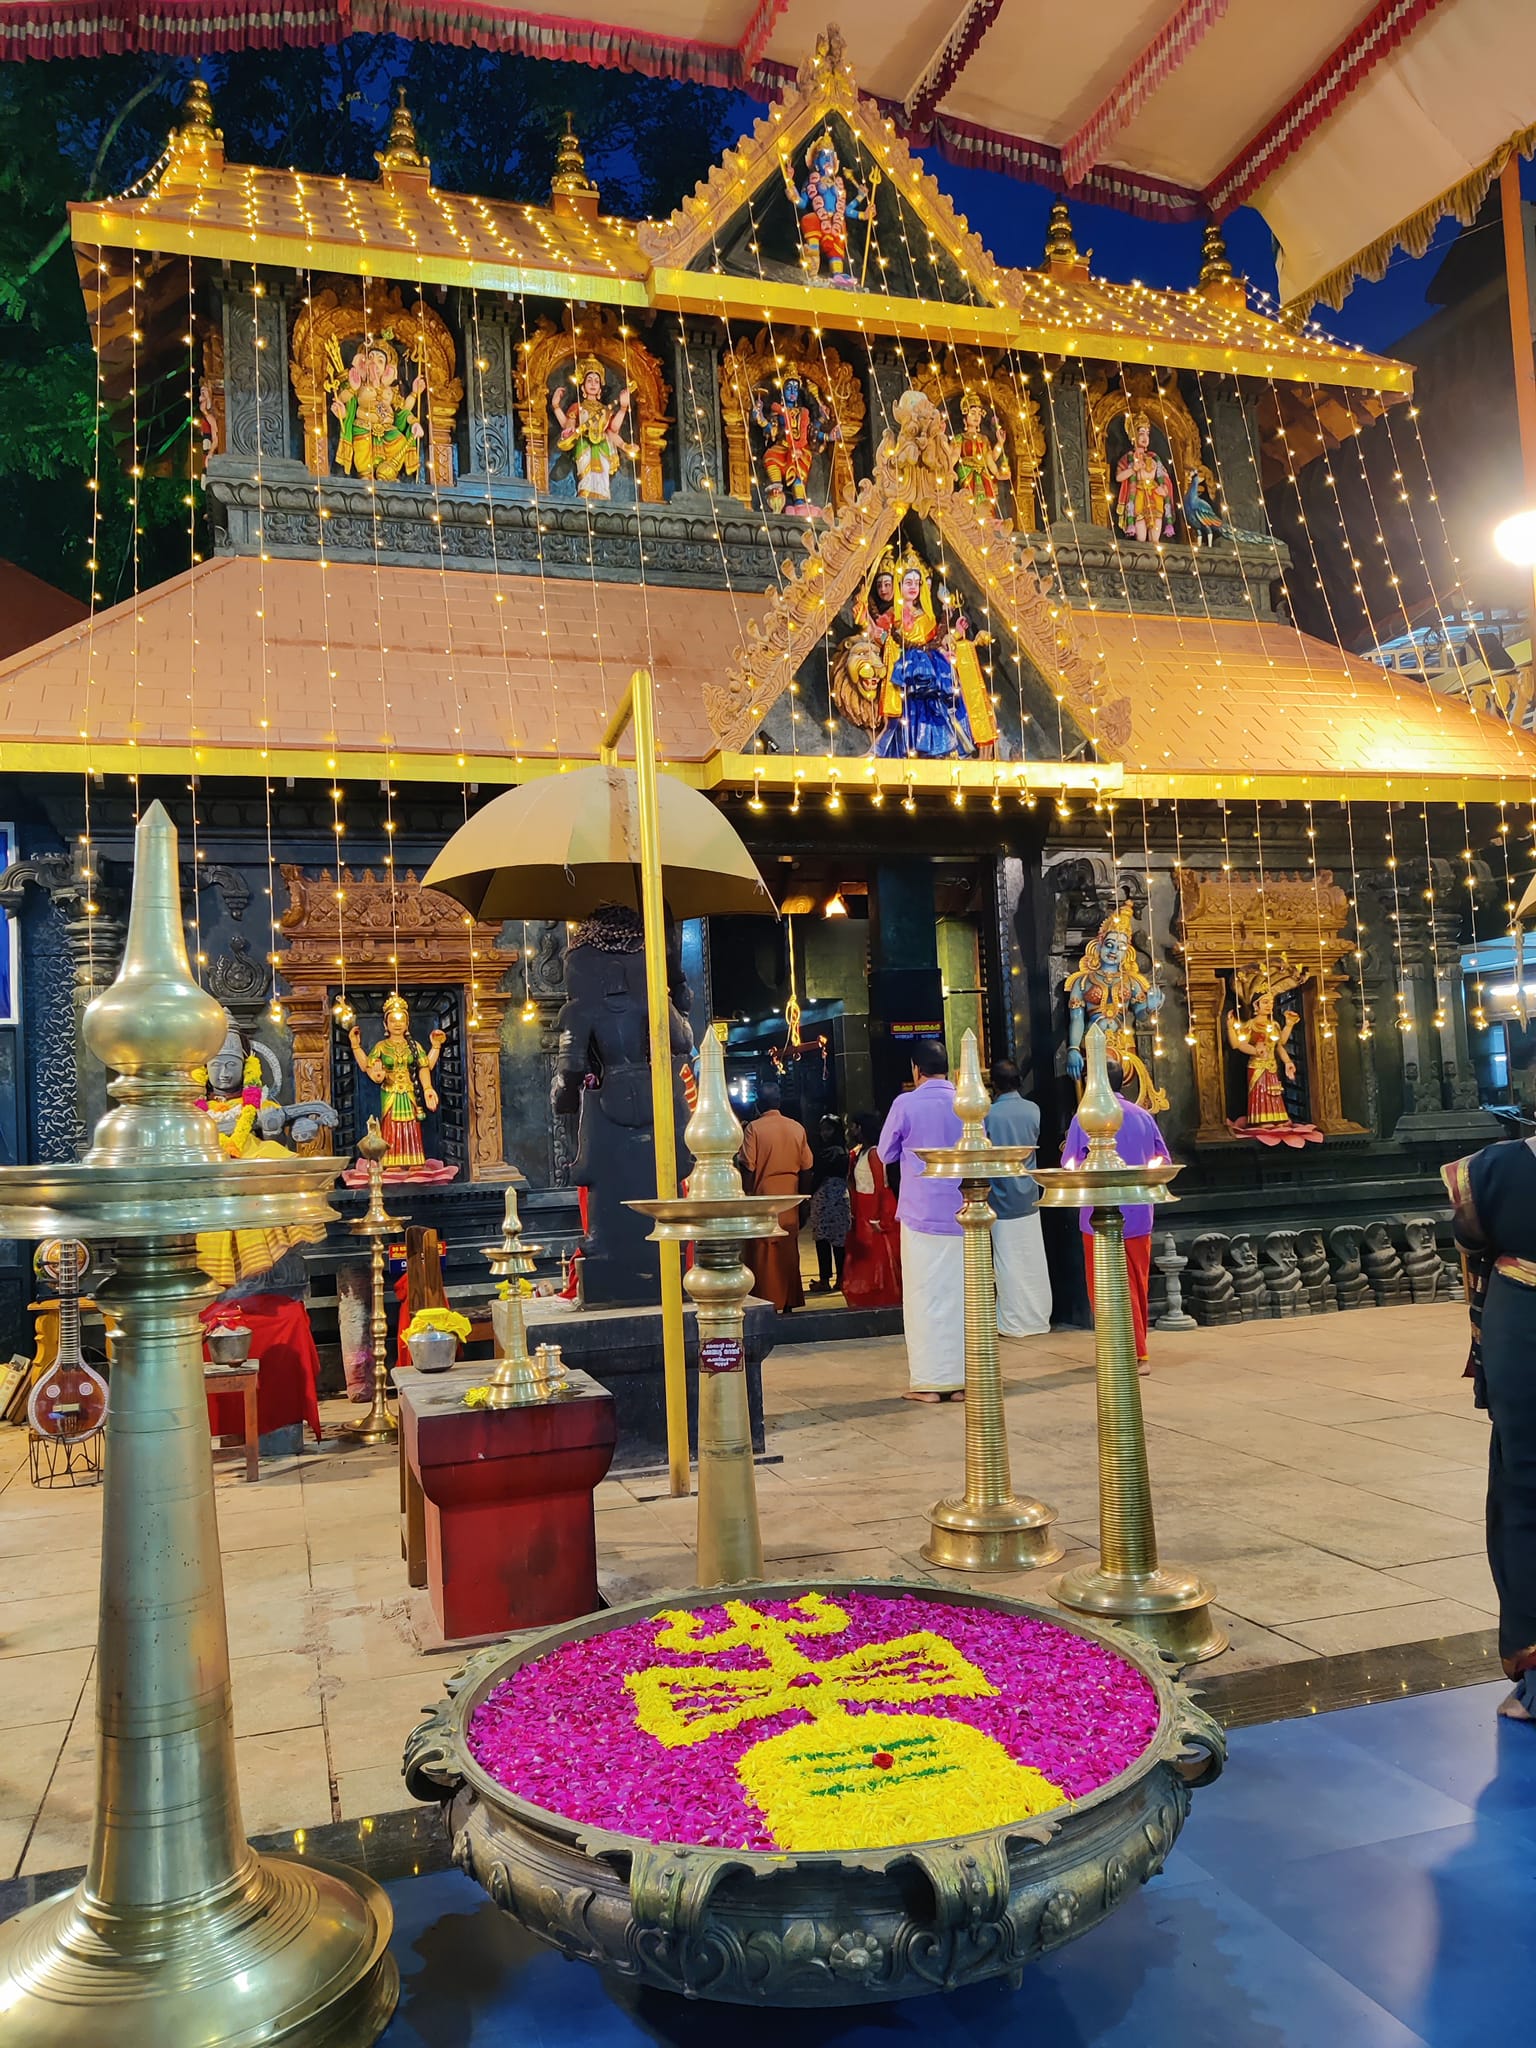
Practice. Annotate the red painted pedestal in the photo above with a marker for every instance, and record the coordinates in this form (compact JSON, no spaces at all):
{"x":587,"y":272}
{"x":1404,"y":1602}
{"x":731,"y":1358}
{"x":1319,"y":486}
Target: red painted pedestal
{"x":506,"y":1499}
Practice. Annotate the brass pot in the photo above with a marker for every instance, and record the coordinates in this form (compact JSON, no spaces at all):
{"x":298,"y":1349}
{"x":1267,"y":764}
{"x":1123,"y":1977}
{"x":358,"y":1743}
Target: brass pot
{"x":229,"y":1346}
{"x":813,"y":1929}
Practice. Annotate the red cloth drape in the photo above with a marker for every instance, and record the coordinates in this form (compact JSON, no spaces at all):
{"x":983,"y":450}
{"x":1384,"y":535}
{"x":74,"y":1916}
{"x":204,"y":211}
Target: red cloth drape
{"x":288,"y":1386}
{"x":1138,"y":1259}
{"x":872,"y":1262}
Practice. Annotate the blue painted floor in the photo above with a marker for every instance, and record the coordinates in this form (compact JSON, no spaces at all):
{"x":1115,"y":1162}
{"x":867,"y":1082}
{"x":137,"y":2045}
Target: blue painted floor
{"x":1364,"y":1879}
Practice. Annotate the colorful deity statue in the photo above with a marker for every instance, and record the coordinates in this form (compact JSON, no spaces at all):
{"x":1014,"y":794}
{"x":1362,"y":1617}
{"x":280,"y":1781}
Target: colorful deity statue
{"x":1109,"y":993}
{"x":928,"y":693}
{"x":981,"y":462}
{"x":233,"y":1090}
{"x":402,"y":1071}
{"x":1145,"y":507}
{"x":798,"y":426}
{"x":592,"y":431}
{"x":826,"y":205}
{"x":380,"y":434}
{"x":1263,"y":1041}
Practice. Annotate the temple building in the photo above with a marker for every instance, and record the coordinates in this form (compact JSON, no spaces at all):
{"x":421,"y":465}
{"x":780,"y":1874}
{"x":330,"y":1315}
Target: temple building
{"x":961,"y":597}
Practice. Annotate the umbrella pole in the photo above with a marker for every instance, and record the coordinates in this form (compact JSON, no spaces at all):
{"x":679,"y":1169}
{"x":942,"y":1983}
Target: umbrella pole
{"x":639,"y":710}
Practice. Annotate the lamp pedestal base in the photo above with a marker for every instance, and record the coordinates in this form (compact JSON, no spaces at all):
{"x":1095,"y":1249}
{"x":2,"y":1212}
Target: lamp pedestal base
{"x":294,"y":1954}
{"x":1170,"y":1606}
{"x":1010,"y":1535}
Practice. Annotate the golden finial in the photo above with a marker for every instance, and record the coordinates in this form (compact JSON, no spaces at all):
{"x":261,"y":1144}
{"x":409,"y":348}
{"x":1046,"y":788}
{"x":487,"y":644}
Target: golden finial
{"x":1217,"y":280}
{"x":1061,"y":250}
{"x":713,"y":1135}
{"x":154,"y":1024}
{"x":197,"y":146}
{"x":401,"y":152}
{"x":571,"y":189}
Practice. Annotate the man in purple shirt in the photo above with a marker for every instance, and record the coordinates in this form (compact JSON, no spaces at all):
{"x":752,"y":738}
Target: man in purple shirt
{"x":1139,"y":1142}
{"x":932,"y":1254}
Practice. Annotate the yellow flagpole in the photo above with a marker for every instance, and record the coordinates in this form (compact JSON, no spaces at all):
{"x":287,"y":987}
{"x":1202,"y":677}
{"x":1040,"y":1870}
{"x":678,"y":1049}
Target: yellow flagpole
{"x":638,"y":710}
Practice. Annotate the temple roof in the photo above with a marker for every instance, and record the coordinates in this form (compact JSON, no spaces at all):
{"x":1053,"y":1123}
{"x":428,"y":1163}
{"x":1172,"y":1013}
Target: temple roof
{"x":401,"y":226}
{"x":449,"y":676}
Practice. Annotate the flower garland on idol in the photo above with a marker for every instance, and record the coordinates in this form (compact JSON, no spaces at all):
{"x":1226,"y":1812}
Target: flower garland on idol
{"x":810,"y":1724}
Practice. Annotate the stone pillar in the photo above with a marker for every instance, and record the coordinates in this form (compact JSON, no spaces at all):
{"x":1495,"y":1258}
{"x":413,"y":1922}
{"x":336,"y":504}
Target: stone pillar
{"x":906,"y":990}
{"x":256,"y":431}
{"x":493,"y":461}
{"x":1440,"y":1085}
{"x":700,"y":444}
{"x":1237,"y":449}
{"x":1066,"y":426}
{"x":85,"y":892}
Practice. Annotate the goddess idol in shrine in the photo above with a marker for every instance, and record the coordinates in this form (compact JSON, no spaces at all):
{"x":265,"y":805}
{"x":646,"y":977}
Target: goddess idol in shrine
{"x":1263,"y":1041}
{"x":592,"y":431}
{"x":826,"y":206}
{"x":797,"y":427}
{"x":401,"y":1069}
{"x":980,"y":459}
{"x":1145,"y":506}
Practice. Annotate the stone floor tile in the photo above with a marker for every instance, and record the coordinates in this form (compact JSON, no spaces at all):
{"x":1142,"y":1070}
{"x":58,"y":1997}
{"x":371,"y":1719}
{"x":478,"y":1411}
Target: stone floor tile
{"x":63,"y":1621}
{"x":276,"y":1692}
{"x":377,"y":1788}
{"x":1463,"y":1441}
{"x":1294,"y":1583}
{"x":1372,"y":1629}
{"x":30,"y":1754}
{"x":368,"y":1719}
{"x":1466,"y":1579}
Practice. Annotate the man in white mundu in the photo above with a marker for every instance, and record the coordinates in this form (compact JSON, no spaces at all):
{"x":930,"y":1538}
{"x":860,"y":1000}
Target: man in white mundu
{"x":1018,"y":1244}
{"x":932,"y":1253}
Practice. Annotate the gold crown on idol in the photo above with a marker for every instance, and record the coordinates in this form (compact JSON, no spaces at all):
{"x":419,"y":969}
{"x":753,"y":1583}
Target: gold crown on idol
{"x":1135,"y":421}
{"x":825,"y":140}
{"x":971,"y":400}
{"x":1119,"y":920}
{"x":397,"y":1007}
{"x":908,"y":560}
{"x":589,"y":366}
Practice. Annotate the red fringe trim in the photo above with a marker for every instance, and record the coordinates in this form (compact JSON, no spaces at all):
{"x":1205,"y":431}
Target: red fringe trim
{"x":1387,"y":25}
{"x":1157,"y":62}
{"x":953,"y":58}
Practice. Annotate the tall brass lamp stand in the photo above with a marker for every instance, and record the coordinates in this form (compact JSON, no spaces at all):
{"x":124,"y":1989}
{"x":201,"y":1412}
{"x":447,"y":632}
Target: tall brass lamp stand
{"x":1168,"y":1604}
{"x":718,"y":1219}
{"x":179,"y":1935}
{"x":990,"y":1528}
{"x":379,"y":1425}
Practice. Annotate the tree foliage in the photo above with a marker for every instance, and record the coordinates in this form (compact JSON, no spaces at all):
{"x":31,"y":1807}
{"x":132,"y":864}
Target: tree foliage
{"x":84,"y":130}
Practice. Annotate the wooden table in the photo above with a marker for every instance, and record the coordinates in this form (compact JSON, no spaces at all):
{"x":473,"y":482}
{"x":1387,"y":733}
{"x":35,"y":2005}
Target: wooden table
{"x":502,"y":1500}
{"x":239,"y":1379}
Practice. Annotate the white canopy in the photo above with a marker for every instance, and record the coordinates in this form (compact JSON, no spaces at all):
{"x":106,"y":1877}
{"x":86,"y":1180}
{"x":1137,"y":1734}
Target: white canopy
{"x":1353,"y":125}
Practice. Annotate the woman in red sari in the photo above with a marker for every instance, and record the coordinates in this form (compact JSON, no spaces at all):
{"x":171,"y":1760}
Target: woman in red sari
{"x":872,"y":1267}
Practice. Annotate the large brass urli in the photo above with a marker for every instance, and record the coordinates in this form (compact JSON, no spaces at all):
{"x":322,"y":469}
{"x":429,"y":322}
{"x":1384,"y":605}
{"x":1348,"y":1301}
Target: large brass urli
{"x":989,"y":1528}
{"x":718,"y":1219}
{"x":179,"y":1935}
{"x":1168,"y":1604}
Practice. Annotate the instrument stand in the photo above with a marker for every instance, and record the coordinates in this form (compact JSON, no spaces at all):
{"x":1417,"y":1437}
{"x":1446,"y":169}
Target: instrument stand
{"x":64,"y":1460}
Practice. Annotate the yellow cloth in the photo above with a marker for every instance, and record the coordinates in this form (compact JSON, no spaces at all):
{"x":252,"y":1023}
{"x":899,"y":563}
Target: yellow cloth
{"x":229,"y":1257}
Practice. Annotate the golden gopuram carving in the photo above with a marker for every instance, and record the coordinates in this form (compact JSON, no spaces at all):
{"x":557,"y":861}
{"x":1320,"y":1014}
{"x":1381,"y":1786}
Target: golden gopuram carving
{"x":552,"y":354}
{"x":1232,"y":922}
{"x":364,"y":347}
{"x":400,"y":934}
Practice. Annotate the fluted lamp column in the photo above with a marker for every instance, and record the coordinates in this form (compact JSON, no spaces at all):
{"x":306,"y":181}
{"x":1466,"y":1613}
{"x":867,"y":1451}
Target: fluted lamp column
{"x":179,"y":1935}
{"x":718,"y":1219}
{"x":989,"y":1528}
{"x":1169,"y":1604}
{"x":380,"y":1425}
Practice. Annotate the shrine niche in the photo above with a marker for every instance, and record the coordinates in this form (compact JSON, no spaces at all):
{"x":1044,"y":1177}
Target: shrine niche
{"x":408,"y":938}
{"x":554,"y":357}
{"x":1262,"y":958}
{"x":1008,"y":408}
{"x":1175,"y":436}
{"x":377,"y":386}
{"x":755,"y":369}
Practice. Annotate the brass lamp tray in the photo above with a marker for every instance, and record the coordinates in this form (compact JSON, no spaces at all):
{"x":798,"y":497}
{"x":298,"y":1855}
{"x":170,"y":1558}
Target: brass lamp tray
{"x":814,"y":1928}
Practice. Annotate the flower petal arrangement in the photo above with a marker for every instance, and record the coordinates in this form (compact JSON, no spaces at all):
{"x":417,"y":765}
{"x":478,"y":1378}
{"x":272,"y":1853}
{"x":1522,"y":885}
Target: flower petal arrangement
{"x":862,"y":1721}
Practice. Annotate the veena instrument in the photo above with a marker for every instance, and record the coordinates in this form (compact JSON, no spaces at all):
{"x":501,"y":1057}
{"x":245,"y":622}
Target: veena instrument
{"x":69,"y":1398}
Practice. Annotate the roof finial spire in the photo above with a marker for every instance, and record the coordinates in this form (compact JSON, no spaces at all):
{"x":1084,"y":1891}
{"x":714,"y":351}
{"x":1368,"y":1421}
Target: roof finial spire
{"x":1217,"y":279}
{"x":401,"y":152}
{"x":1061,"y":251}
{"x":197,"y":146}
{"x":570,"y":189}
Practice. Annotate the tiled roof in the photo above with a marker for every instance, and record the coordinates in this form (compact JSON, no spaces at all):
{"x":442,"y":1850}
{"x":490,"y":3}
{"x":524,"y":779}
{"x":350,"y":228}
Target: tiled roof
{"x":351,"y":660}
{"x":1231,"y":698}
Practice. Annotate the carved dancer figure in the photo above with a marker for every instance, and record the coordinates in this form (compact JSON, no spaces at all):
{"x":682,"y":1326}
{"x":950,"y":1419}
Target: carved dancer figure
{"x":1108,"y":992}
{"x":592,"y":431}
{"x":1263,"y":1040}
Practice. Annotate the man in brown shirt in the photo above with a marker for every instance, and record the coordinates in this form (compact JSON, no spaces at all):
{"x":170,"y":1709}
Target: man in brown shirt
{"x":774,"y":1154}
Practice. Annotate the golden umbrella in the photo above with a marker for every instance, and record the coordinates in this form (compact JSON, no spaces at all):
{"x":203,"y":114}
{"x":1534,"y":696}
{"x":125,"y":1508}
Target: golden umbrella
{"x":562,"y":845}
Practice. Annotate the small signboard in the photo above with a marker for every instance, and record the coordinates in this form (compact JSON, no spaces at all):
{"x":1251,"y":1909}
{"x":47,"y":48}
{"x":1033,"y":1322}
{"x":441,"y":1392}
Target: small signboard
{"x":907,"y":1033}
{"x":721,"y":1354}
